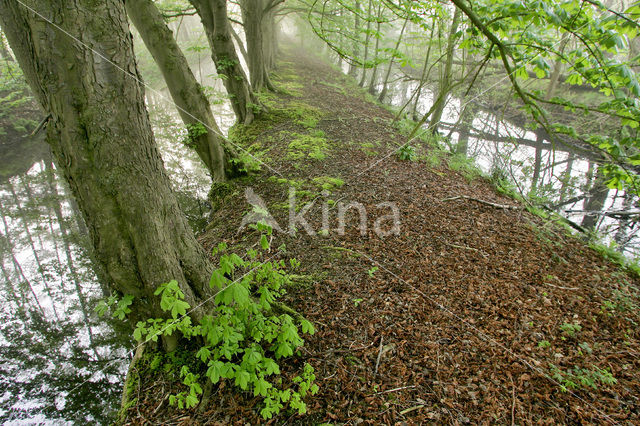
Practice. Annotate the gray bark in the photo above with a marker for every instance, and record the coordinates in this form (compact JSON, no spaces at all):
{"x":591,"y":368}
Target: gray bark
{"x":186,"y":92}
{"x":445,"y":82}
{"x":213,"y":14}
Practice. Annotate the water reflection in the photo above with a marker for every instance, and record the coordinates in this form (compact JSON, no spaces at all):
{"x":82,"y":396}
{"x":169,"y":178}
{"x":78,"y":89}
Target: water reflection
{"x":499,"y":144}
{"x":59,"y":362}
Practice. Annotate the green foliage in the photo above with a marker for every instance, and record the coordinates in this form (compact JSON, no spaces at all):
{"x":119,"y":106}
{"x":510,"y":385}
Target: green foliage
{"x":570,"y":329}
{"x":464,"y":165}
{"x":244,"y":339}
{"x":15,"y":100}
{"x":328,"y":183}
{"x":194,"y":131}
{"x":313,"y":145}
{"x":610,"y":253}
{"x":544,"y":344}
{"x":406,"y":153}
{"x":119,"y":307}
{"x":578,"y":378}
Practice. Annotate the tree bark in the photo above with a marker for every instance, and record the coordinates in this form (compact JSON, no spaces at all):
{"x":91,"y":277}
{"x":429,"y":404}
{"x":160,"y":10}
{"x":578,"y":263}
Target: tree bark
{"x":383,"y":93}
{"x":186,"y":92}
{"x":213,"y":14}
{"x":445,"y":82}
{"x":84,"y":75}
{"x":595,"y":202}
{"x":255,"y":20}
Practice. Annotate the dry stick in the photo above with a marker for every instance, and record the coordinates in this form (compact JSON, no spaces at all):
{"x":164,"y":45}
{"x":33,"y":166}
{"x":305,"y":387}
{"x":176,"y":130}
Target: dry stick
{"x":379,"y":356}
{"x":488,"y":203}
{"x":394,"y":390}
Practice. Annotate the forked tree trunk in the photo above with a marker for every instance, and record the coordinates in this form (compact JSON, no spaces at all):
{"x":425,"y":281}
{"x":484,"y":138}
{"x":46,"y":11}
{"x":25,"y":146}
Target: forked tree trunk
{"x":101,"y":138}
{"x":445,"y":82}
{"x":255,"y":20}
{"x":186,"y":92}
{"x":213,"y":14}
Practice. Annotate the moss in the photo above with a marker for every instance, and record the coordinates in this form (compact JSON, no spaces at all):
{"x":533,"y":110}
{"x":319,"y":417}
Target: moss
{"x":303,"y":146}
{"x":328,"y":183}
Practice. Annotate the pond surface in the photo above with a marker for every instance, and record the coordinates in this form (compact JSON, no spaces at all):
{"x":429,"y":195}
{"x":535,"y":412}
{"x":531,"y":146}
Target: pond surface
{"x":59,"y":362}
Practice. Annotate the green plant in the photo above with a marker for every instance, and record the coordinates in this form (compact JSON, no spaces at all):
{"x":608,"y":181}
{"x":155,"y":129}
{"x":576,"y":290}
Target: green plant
{"x":372,"y":271}
{"x":544,"y":344}
{"x":577,"y":377}
{"x":120,"y":307}
{"x":328,"y":183}
{"x":570,"y":329}
{"x":406,"y":153}
{"x":244,"y":339}
{"x":356,"y":302}
{"x":194,"y":131}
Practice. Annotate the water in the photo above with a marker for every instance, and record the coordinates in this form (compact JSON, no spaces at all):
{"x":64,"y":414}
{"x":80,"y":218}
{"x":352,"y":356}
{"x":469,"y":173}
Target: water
{"x":516,"y":160}
{"x":59,"y":362}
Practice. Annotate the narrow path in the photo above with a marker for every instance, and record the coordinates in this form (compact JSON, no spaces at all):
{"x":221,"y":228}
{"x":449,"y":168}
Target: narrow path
{"x":456,"y":319}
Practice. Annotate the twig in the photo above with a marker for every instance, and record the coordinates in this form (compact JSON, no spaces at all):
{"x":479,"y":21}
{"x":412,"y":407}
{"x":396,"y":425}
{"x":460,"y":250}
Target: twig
{"x":488,"y":203}
{"x":560,"y":287}
{"x":379,"y":356}
{"x":394,"y":390}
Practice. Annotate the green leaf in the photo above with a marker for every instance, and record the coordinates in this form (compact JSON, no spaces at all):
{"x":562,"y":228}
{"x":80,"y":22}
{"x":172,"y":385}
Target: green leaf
{"x":217,"y":280}
{"x":242,"y":379}
{"x":307,"y":327}
{"x":264,"y":243}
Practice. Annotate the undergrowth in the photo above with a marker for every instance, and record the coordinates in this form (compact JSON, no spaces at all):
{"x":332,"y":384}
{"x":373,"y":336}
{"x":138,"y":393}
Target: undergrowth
{"x":244,"y":341}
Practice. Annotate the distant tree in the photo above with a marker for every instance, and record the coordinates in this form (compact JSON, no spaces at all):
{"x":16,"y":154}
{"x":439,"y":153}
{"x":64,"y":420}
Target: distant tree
{"x":215,"y":20}
{"x":192,"y":104}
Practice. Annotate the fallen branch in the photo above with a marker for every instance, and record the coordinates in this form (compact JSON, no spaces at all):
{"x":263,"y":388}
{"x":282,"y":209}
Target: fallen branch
{"x":487,"y":203}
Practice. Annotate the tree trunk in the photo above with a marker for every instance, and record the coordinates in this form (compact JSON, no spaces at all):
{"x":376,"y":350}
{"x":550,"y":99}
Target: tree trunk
{"x":101,"y":138}
{"x":424,"y":74}
{"x":185,"y":90}
{"x":374,"y":73}
{"x":213,"y":14}
{"x":595,"y":202}
{"x":383,"y":93}
{"x":355,"y":52}
{"x":445,"y":82}
{"x":255,"y":22}
{"x":366,"y":46}
{"x":239,"y":43}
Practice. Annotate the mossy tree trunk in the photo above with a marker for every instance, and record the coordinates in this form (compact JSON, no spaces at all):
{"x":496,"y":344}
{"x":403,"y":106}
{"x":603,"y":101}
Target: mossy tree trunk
{"x":213,"y":14}
{"x":84,"y":75}
{"x":186,"y":92}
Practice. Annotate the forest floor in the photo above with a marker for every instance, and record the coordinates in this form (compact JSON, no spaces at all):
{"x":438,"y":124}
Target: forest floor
{"x":471,"y":314}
